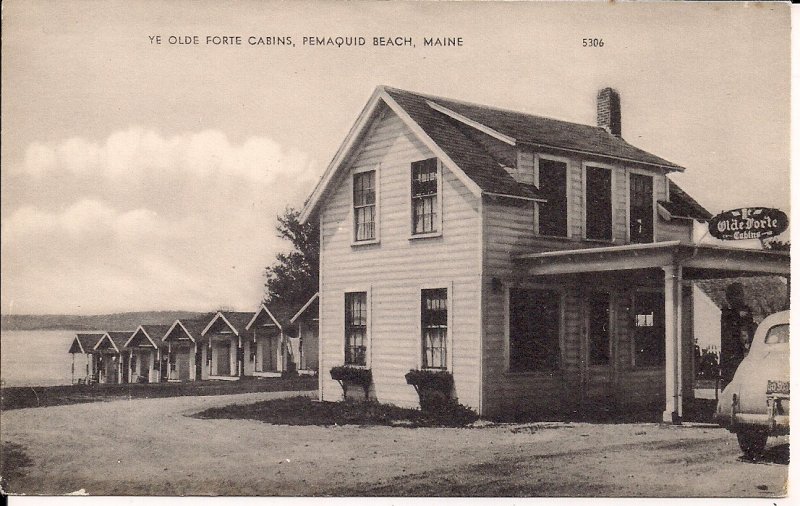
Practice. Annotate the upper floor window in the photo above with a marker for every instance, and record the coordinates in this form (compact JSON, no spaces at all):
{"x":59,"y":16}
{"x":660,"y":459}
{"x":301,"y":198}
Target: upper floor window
{"x":534,"y":329}
{"x":355,"y":328}
{"x":364,"y":203}
{"x":599,"y":223}
{"x":434,"y":328}
{"x":552,"y":179}
{"x":641,"y":208}
{"x":425,"y":217}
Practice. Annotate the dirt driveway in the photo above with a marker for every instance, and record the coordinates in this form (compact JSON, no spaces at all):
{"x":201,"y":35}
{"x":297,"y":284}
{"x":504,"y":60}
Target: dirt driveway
{"x":150,"y":446}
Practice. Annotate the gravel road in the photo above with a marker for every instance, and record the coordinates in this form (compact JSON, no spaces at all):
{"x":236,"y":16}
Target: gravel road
{"x":151,"y":446}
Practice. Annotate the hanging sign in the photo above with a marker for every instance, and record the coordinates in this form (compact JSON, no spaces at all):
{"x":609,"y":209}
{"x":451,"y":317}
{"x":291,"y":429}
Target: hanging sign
{"x":748,"y":223}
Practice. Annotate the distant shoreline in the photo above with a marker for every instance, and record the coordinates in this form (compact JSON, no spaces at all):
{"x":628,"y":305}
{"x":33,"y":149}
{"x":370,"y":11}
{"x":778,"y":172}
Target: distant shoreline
{"x":105,"y":322}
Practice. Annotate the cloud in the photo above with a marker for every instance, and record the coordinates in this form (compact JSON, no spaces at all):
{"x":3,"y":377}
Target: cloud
{"x":142,"y":221}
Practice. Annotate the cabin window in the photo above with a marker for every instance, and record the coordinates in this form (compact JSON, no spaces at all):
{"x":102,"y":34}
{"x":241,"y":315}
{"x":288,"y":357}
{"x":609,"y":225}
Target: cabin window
{"x":552,"y":177}
{"x":133,"y":363}
{"x":641,"y":208}
{"x":434,"y":328}
{"x":425,"y":196}
{"x":172,"y":362}
{"x":364,"y":201}
{"x":355,"y":328}
{"x":534,"y":329}
{"x":598,"y":203}
{"x":649,"y":329}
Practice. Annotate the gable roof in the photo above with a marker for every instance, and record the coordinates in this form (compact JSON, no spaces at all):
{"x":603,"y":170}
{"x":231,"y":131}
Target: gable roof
{"x":263,"y":309}
{"x":153,"y":333}
{"x":763,"y":294}
{"x":541,"y":131}
{"x":312,"y":306}
{"x":470,"y":140}
{"x":85,"y":342}
{"x":193,"y":326}
{"x":236,"y":320}
{"x":117,"y":340}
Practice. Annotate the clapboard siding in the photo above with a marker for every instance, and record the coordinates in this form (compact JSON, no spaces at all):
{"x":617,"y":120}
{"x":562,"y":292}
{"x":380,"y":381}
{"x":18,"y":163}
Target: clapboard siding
{"x":397,"y":268}
{"x":509,"y":229}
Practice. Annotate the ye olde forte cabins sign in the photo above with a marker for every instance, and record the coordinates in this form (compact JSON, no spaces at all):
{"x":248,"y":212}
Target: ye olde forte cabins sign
{"x":748,"y":223}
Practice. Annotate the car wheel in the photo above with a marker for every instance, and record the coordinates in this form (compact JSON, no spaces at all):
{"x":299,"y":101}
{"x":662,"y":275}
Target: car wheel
{"x":752,"y":442}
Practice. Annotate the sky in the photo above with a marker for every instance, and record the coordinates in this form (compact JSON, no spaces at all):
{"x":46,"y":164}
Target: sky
{"x":146,"y":176}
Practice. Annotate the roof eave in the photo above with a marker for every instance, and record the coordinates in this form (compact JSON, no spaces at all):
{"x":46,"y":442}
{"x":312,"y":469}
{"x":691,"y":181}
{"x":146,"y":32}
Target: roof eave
{"x":667,"y":167}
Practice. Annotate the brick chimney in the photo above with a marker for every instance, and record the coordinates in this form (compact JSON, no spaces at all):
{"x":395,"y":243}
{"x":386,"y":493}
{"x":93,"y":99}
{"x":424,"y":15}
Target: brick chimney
{"x":608,"y":111}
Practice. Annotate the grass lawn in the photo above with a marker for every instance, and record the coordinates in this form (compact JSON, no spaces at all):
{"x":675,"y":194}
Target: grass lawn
{"x":305,"y":411}
{"x":12,"y":461}
{"x":31,"y":397}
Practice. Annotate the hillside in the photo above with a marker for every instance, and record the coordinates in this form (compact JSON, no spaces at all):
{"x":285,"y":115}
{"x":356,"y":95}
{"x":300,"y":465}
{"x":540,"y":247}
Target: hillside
{"x":116,"y":321}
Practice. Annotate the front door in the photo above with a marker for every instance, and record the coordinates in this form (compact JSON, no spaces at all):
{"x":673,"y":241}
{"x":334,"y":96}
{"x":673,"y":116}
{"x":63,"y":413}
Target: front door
{"x":599,"y":373}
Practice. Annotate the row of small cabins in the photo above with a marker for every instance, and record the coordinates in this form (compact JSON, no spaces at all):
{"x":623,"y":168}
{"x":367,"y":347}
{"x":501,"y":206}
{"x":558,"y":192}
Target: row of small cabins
{"x":223,"y":345}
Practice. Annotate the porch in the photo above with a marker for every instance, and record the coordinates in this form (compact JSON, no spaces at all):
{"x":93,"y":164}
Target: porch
{"x":624,"y":299}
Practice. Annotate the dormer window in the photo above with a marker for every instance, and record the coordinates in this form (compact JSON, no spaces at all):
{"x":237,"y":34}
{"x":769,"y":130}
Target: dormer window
{"x":551,"y":178}
{"x":425,"y":201}
{"x":364,"y":206}
{"x":599,"y":207}
{"x":641,"y":208}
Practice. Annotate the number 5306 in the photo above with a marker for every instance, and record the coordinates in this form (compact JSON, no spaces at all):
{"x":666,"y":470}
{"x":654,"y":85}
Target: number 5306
{"x":593,"y":43}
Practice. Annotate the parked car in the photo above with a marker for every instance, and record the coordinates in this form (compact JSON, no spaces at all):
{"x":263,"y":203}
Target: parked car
{"x":755,"y":404}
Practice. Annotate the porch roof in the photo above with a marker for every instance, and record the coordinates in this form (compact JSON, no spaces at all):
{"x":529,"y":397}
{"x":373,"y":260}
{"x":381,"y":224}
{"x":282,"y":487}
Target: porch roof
{"x":698,"y":262}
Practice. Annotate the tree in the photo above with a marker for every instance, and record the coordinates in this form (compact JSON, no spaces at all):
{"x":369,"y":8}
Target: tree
{"x":294,"y":277}
{"x":776,"y":245}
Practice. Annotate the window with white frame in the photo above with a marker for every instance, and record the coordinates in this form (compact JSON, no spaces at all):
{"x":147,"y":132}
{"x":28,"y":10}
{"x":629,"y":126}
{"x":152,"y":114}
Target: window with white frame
{"x":433,"y":315}
{"x":424,"y":196}
{"x":534,"y":329}
{"x":355,"y":328}
{"x":599,"y":207}
{"x":552,"y":178}
{"x":641,"y":208}
{"x":364,"y":206}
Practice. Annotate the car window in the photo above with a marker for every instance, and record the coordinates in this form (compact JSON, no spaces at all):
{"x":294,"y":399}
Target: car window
{"x":778,"y":334}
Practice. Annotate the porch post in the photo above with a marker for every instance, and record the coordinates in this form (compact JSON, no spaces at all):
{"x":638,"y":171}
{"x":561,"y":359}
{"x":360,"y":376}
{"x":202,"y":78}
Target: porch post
{"x":673,"y":410}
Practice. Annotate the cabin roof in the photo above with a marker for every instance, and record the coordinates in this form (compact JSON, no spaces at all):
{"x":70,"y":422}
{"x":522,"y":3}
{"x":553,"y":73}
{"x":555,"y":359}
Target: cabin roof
{"x":194,"y":326}
{"x":309,"y":309}
{"x":118,"y":339}
{"x":85,"y":341}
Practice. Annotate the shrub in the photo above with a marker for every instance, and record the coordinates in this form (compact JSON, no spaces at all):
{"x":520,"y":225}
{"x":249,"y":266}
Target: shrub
{"x":434,"y":388}
{"x":349,"y":375}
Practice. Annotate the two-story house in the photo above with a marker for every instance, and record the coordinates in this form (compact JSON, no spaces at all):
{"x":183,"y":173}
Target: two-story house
{"x":542,"y":262}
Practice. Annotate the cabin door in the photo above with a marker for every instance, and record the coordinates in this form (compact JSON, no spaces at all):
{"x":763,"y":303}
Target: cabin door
{"x":598,"y":346}
{"x":267,"y":355}
{"x":183,"y":365}
{"x":223,"y":357}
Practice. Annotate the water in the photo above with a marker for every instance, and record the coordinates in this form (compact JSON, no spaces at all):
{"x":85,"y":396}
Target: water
{"x":38,"y":358}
